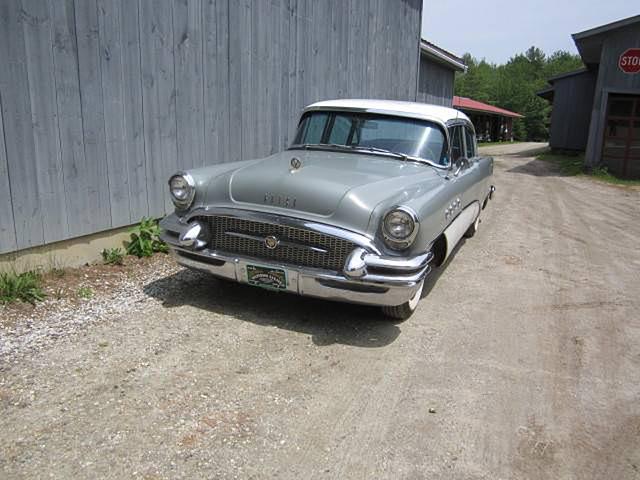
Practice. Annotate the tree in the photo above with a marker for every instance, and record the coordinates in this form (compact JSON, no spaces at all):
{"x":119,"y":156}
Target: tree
{"x":514,"y":84}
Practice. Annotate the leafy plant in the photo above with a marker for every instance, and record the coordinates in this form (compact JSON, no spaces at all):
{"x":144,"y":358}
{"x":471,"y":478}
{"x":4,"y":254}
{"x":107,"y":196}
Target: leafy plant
{"x":85,"y":292}
{"x":145,"y":239}
{"x":113,"y":256}
{"x":25,"y":287}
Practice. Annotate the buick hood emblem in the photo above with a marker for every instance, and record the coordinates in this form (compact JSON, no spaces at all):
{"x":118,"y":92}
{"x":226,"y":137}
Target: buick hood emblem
{"x":271,"y":242}
{"x":296,"y":163}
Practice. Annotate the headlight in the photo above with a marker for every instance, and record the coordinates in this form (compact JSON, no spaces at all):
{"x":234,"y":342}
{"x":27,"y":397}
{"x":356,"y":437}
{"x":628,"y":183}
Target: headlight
{"x":399,"y":228}
{"x":183,"y":189}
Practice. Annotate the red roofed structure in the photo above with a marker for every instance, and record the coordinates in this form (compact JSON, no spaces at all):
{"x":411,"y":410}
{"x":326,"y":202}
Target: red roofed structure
{"x":491,"y":123}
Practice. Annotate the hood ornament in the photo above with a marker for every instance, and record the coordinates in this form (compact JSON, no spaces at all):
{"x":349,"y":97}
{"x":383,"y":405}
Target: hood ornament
{"x":295,"y":163}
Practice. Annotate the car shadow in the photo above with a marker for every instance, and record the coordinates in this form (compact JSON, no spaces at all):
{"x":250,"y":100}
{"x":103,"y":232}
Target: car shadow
{"x":538,"y":168}
{"x":326,"y":322}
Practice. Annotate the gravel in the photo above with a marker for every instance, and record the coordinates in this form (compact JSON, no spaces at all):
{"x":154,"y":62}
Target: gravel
{"x":25,"y":329}
{"x":526,"y":348}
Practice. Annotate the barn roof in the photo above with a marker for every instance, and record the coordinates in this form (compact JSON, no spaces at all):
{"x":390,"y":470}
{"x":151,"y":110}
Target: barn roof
{"x":440,"y":55}
{"x":468,"y":104}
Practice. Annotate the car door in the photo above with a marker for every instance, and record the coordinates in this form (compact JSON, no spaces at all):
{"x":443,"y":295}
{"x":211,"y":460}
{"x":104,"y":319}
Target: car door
{"x":462,"y":177}
{"x":462,"y":168}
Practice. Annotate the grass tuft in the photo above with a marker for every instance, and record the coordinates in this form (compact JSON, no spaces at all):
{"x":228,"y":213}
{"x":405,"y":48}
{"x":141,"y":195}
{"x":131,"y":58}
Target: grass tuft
{"x":85,"y":292}
{"x":26,"y":287}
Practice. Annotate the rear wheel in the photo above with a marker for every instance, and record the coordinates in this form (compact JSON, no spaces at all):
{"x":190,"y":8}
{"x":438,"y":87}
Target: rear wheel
{"x":404,"y":311}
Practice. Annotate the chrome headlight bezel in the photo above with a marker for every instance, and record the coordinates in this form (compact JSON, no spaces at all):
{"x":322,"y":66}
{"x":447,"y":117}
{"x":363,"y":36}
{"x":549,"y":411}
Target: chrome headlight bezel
{"x":183,"y":203}
{"x":396,"y":242}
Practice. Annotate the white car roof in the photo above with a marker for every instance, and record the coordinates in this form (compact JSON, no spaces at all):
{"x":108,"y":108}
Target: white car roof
{"x":405,"y":109}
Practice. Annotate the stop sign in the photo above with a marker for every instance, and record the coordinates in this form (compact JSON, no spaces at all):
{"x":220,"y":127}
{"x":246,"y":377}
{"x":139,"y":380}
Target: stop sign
{"x":629,"y":61}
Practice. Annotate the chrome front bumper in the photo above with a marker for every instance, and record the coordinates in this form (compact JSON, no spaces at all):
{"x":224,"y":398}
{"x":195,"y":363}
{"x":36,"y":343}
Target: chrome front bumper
{"x":368,"y":277}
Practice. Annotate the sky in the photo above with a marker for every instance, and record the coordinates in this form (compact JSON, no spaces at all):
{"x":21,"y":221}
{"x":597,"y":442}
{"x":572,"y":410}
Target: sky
{"x":498,"y":29}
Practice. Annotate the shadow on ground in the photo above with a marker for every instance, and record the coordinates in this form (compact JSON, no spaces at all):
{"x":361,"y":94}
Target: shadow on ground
{"x":539,"y":168}
{"x":326,"y":322}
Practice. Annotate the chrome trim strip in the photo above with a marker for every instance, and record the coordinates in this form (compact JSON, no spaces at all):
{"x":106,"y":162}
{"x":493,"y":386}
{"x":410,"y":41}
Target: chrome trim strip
{"x":288,"y":243}
{"x":402,"y":264}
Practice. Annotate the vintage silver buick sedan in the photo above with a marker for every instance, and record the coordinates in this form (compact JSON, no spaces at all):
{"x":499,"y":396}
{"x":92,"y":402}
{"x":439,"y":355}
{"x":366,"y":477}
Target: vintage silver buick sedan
{"x":370,"y":195}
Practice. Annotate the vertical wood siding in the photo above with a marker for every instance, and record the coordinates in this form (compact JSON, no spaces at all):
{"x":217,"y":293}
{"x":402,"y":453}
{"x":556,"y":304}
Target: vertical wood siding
{"x":572,"y":105}
{"x":102,"y":100}
{"x":610,"y":80}
{"x":435,"y":84}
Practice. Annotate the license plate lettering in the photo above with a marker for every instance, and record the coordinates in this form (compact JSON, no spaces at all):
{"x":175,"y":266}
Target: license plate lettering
{"x":267,"y":277}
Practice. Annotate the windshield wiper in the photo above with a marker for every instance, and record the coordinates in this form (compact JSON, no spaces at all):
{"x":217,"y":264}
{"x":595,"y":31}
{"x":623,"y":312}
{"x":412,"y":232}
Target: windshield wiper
{"x":402,"y":156}
{"x":356,"y":148}
{"x":326,"y":146}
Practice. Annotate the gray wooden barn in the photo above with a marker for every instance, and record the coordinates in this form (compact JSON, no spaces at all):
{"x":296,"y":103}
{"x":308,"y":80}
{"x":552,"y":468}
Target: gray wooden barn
{"x":101,"y":100}
{"x":596,"y":109}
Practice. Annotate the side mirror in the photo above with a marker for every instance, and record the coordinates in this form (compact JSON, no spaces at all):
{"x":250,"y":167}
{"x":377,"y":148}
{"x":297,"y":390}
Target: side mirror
{"x":460,"y":164}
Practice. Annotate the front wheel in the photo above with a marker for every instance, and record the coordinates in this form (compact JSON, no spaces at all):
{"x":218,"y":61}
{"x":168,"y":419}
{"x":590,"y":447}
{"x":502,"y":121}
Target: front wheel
{"x":404,"y":311}
{"x":473,"y":228}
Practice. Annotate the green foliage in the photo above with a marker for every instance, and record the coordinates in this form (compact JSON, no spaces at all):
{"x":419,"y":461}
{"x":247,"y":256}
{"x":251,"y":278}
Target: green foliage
{"x":25,"y":287}
{"x":113,"y":256}
{"x":85,"y":292}
{"x":514,"y":85}
{"x":145,"y":239}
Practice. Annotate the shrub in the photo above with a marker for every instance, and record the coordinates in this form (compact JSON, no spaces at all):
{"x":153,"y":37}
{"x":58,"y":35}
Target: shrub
{"x":113,"y":256}
{"x":145,"y":239}
{"x":25,"y":287}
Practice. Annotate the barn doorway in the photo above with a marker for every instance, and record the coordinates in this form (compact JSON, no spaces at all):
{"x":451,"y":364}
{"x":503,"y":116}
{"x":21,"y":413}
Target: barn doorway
{"x":621,"y":147}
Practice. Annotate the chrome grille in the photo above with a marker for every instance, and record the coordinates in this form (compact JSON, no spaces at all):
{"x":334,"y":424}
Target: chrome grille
{"x":297,"y":246}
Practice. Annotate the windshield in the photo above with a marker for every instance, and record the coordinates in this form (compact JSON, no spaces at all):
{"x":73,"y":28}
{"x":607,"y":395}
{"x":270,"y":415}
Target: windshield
{"x":406,"y":136}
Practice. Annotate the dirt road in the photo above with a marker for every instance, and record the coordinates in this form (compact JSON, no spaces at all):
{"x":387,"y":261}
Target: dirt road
{"x":523,"y":361}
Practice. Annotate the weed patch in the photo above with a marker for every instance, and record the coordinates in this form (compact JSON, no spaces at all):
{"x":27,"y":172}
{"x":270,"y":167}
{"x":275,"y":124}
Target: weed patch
{"x":145,"y":239}
{"x":26,"y":287}
{"x":113,"y":256}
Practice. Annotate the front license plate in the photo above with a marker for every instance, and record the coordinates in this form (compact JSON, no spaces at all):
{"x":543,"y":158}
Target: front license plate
{"x":267,"y":277}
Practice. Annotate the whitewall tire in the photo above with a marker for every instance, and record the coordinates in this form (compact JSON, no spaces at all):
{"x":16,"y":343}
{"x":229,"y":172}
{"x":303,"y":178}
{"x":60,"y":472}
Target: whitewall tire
{"x":404,"y":311}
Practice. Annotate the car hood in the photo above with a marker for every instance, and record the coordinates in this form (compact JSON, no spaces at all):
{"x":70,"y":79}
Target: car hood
{"x":341,"y":187}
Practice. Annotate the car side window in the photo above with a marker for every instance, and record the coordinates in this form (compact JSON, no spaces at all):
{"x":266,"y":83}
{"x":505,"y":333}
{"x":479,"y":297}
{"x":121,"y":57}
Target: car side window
{"x":469,"y":142}
{"x":457,"y":145}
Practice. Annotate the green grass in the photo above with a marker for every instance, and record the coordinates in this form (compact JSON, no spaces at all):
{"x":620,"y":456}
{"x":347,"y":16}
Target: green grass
{"x":26,"y":287}
{"x":573,"y":165}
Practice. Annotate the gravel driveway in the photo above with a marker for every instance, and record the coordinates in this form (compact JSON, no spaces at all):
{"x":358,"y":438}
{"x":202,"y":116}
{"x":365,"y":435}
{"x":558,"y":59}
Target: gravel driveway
{"x":523,"y":361}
